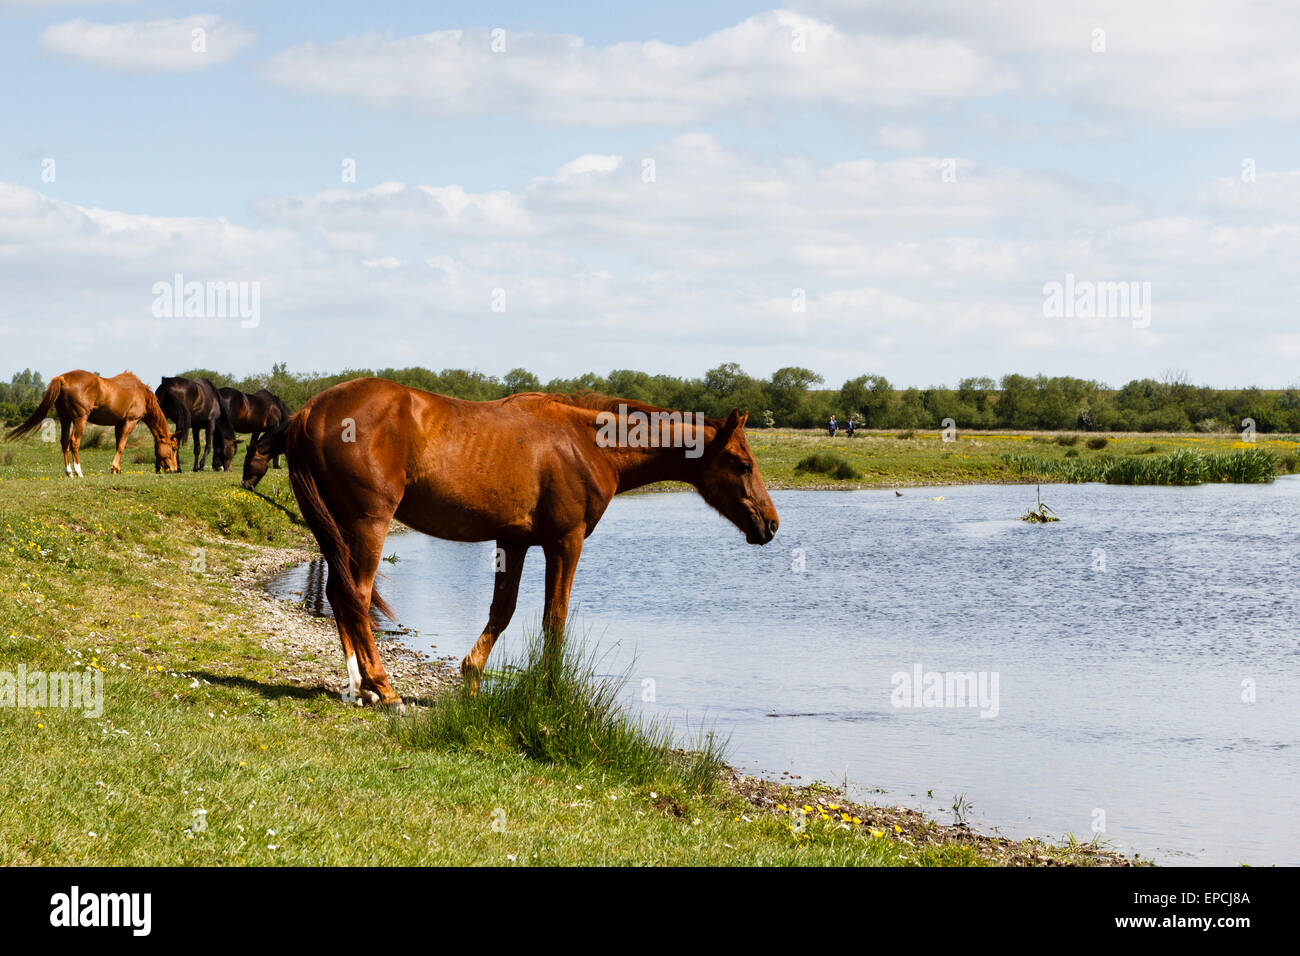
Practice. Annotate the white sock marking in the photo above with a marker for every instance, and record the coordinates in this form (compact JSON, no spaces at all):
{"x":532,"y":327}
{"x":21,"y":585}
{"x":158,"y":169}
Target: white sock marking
{"x":354,"y":680}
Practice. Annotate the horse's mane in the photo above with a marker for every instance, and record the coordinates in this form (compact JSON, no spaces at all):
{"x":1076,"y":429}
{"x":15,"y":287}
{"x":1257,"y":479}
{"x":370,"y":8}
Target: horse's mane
{"x":598,"y":402}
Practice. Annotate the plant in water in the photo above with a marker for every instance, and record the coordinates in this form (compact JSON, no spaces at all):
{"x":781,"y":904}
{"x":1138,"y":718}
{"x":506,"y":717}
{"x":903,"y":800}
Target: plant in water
{"x":563,"y":711}
{"x":1041,"y":515}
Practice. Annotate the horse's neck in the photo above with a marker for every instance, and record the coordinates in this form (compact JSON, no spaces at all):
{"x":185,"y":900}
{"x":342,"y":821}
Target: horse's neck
{"x":637,"y":467}
{"x":155,"y":420}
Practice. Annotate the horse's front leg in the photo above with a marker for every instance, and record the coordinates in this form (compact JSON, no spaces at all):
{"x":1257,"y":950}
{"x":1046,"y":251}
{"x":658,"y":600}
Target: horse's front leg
{"x":206,"y":434}
{"x":509,"y":563}
{"x":561,"y":563}
{"x":122,"y":431}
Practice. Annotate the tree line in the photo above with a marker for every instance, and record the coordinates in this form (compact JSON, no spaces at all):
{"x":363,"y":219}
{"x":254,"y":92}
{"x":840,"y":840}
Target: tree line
{"x":794,"y":397}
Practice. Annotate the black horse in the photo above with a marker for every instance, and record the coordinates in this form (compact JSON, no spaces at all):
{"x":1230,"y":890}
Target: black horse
{"x":196,"y":405}
{"x":255,"y":414}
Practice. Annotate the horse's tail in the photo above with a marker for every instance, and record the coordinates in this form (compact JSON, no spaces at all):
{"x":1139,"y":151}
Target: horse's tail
{"x":174,"y":408}
{"x":285,"y":414}
{"x":43,"y":409}
{"x":348,"y":606}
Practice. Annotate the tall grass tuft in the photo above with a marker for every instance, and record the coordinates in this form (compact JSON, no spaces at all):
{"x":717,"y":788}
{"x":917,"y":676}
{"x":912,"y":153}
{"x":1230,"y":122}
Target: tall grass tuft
{"x":827,"y":463}
{"x":573,"y":717}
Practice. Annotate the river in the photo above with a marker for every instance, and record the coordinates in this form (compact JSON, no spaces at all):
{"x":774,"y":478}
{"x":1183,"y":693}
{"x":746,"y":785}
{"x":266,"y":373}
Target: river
{"x":1138,"y":661}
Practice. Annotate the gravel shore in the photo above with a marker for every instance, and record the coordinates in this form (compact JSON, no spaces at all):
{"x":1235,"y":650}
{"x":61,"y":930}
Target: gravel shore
{"x":313,"y":656}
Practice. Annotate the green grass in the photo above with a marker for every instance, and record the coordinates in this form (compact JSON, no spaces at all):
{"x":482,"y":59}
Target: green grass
{"x":887,"y":459}
{"x":567,"y":713}
{"x":827,"y":463}
{"x":219,"y":744}
{"x":1181,"y":467}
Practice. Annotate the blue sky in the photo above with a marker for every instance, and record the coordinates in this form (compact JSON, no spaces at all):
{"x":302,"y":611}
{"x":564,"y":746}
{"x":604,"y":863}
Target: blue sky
{"x":520,"y":171}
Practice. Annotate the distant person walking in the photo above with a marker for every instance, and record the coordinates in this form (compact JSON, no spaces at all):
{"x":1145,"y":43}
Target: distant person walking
{"x":850,"y":427}
{"x":833,"y":425}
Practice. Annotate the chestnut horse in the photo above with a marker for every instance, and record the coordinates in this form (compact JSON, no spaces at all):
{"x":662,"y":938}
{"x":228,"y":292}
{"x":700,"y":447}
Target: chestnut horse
{"x":526,"y":470}
{"x":122,"y":401}
{"x":254,"y":414}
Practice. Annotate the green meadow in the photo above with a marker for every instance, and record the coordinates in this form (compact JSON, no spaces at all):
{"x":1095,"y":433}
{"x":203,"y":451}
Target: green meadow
{"x":221,"y":743}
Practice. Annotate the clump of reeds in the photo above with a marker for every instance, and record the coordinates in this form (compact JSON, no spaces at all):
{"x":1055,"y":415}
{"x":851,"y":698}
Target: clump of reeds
{"x":1183,"y":467}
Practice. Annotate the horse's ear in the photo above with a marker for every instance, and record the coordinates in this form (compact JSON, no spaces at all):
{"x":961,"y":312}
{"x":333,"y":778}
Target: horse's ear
{"x":723,"y":434}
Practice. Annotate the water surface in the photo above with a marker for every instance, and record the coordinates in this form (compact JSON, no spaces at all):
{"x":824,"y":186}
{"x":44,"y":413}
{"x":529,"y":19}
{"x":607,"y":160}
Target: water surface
{"x":1123,"y":640}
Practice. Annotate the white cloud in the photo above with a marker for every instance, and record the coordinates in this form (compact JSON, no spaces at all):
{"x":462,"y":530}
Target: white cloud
{"x":901,"y":136}
{"x":600,"y":269}
{"x":175,"y":45}
{"x":771,"y":59}
{"x":1190,"y":61}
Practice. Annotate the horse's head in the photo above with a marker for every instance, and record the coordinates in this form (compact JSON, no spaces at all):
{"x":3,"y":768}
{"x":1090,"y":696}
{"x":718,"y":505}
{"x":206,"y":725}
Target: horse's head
{"x":223,"y":456}
{"x":165,"y":457}
{"x":728,"y":479}
{"x":256,"y":461}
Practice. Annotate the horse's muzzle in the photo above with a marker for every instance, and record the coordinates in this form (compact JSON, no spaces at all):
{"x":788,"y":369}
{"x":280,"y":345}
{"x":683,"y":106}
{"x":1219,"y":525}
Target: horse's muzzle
{"x":762,"y":531}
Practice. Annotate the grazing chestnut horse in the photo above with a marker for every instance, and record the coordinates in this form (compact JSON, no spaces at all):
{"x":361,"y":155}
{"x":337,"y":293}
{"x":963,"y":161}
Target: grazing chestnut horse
{"x":526,"y":470}
{"x":194,"y":405}
{"x":255,"y":414}
{"x":122,"y":401}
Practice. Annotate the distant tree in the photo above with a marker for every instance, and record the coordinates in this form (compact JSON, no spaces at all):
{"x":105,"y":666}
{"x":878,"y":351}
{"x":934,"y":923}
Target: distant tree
{"x":520,"y":380}
{"x":788,"y":395}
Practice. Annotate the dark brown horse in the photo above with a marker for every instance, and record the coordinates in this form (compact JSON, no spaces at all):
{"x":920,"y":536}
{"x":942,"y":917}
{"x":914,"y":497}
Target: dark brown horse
{"x":255,"y":414}
{"x":271,"y":445}
{"x":195,"y":405}
{"x":123,"y":401}
{"x":526,"y":470}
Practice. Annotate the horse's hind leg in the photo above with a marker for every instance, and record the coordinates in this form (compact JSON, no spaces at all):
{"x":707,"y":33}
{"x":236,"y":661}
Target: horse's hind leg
{"x":78,"y":429}
{"x":367,"y":679}
{"x":65,"y":440}
{"x":505,"y":591}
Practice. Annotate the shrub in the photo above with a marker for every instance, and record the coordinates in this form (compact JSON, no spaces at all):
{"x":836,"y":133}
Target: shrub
{"x":827,"y":463}
{"x":1067,"y":440}
{"x":1098,"y":443}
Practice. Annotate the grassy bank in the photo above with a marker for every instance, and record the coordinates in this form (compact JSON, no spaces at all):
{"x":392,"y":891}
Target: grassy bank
{"x":223,"y":741}
{"x":889,"y":459}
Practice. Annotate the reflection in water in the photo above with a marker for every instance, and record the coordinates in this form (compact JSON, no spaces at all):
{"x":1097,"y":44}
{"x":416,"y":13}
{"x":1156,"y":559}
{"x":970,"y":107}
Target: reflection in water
{"x":313,"y":589}
{"x":1121,"y":638}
